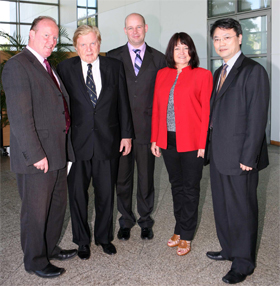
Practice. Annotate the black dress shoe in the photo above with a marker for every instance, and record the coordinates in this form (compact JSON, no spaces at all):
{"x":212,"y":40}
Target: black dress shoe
{"x":124,"y":233}
{"x":84,"y":251}
{"x":50,"y":271}
{"x":234,"y":277}
{"x":108,"y":248}
{"x":147,"y":233}
{"x":215,"y":255}
{"x":65,"y":254}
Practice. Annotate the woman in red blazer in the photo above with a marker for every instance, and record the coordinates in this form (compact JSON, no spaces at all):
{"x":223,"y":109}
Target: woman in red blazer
{"x":180,"y":118}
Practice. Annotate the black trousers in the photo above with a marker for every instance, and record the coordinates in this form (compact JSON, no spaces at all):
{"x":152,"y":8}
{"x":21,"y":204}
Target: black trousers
{"x":104,"y":175}
{"x":44,"y":201}
{"x":185,"y":172}
{"x":236,"y":216}
{"x":145,"y":162}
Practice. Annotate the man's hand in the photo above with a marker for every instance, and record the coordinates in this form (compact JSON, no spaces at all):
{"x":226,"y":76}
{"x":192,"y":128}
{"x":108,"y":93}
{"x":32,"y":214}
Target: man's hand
{"x":126,"y":144}
{"x":155,"y":150}
{"x":245,"y":168}
{"x":42,"y":165}
{"x":200,"y":153}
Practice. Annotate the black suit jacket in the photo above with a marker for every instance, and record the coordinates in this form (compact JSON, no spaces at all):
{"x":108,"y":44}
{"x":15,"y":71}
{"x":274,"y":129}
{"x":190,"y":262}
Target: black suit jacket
{"x":141,"y":88}
{"x":36,"y":115}
{"x":239,"y":115}
{"x":97,"y":131}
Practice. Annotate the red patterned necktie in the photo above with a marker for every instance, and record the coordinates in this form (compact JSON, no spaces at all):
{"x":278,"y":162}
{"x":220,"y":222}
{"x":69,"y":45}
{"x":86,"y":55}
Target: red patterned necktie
{"x":66,"y":111}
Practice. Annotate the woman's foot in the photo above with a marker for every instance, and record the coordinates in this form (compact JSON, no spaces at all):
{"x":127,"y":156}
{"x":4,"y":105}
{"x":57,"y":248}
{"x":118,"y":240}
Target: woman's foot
{"x":184,"y":247}
{"x":174,"y":240}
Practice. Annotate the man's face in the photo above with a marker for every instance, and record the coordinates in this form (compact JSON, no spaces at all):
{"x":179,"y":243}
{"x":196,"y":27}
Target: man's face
{"x":226,"y":43}
{"x":135,"y":30}
{"x":44,"y":38}
{"x":88,"y":47}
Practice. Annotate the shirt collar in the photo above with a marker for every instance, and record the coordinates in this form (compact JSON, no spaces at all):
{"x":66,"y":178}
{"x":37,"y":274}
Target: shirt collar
{"x":141,"y":48}
{"x":232,"y":61}
{"x":94,"y":64}
{"x":39,"y":57}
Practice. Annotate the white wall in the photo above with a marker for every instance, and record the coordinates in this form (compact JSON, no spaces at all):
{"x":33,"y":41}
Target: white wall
{"x":275,"y":72}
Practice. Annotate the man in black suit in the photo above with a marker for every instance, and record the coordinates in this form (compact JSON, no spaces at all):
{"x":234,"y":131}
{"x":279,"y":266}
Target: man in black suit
{"x":38,"y":112}
{"x":237,"y":149}
{"x":141,"y":64}
{"x":101,"y":130}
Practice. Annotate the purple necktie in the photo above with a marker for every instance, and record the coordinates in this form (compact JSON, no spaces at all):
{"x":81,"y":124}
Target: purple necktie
{"x":66,"y":111}
{"x":138,"y":61}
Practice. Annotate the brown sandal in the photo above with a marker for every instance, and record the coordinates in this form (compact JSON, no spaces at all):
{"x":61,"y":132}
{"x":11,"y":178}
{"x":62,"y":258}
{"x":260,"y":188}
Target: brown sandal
{"x":174,"y":240}
{"x":184,"y":247}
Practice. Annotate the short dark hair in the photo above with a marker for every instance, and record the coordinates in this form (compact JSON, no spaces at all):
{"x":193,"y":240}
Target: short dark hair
{"x":39,"y":19}
{"x":227,"y":23}
{"x":185,"y":39}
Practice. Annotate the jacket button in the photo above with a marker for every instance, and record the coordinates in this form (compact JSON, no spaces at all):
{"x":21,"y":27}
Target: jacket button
{"x":64,"y":130}
{"x":63,"y":112}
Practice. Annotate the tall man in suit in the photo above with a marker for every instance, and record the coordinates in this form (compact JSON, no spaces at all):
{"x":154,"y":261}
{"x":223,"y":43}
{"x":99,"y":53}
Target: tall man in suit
{"x":102,"y":129}
{"x":141,"y":64}
{"x":38,"y":112}
{"x":237,"y":149}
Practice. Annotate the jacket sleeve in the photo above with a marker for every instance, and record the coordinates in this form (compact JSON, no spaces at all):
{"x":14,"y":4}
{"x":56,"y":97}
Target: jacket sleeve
{"x":155,"y":113}
{"x":17,"y":87}
{"x":257,"y":100}
{"x":205,"y":95}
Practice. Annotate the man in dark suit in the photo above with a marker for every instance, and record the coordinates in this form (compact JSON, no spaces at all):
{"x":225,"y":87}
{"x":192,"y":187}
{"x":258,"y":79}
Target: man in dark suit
{"x":141,"y":64}
{"x":38,"y":112}
{"x":237,"y":149}
{"x":102,"y":129}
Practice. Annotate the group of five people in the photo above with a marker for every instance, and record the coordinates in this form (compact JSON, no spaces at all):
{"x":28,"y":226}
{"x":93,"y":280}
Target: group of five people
{"x":122,"y":109}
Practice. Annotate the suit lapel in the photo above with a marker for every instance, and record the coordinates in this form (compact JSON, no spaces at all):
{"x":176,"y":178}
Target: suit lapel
{"x":126,"y":59}
{"x":233,"y":72}
{"x":103,"y":71}
{"x":77,"y":68}
{"x":36,"y":63}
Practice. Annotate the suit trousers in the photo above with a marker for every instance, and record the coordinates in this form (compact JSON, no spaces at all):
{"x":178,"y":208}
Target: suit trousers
{"x":145,"y":162}
{"x":185,"y":172}
{"x":236,"y":216}
{"x":44,"y":201}
{"x":104,"y":175}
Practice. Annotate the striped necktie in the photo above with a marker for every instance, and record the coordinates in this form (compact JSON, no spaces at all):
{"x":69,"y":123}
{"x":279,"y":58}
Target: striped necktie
{"x":223,"y":77}
{"x":91,"y":89}
{"x":138,"y":61}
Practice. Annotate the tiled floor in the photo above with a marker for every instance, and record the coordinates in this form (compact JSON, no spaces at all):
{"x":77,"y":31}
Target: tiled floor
{"x":141,"y":262}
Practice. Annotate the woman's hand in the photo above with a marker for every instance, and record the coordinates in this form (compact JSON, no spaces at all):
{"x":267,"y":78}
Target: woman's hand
{"x":155,"y":149}
{"x":200,"y":153}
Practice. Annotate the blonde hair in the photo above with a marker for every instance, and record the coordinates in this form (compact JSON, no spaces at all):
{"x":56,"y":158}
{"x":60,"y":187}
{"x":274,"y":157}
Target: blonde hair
{"x":84,"y":30}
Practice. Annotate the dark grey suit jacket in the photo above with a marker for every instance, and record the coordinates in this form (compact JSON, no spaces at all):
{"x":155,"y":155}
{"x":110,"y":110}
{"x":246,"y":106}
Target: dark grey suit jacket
{"x":239,"y":115}
{"x":36,"y":114}
{"x":141,"y":88}
{"x":97,"y":131}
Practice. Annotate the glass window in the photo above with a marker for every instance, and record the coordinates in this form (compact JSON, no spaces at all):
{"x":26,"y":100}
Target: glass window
{"x":82,"y":3}
{"x":82,"y":22}
{"x":215,"y":64}
{"x":92,"y":21}
{"x":9,"y":29}
{"x":220,"y":7}
{"x":8,"y":12}
{"x":254,"y":40}
{"x":82,"y":13}
{"x":91,"y":12}
{"x":44,"y":1}
{"x":24,"y":32}
{"x":248,"y":5}
{"x":92,"y":3}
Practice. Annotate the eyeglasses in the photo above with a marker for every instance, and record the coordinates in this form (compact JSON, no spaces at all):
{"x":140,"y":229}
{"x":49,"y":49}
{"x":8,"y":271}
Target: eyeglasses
{"x":224,"y":39}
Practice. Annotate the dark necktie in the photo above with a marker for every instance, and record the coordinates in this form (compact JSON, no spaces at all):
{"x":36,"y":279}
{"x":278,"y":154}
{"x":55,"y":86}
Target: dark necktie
{"x":222,"y":80}
{"x":223,"y":77}
{"x":91,"y":89}
{"x":138,"y":61}
{"x":66,"y":111}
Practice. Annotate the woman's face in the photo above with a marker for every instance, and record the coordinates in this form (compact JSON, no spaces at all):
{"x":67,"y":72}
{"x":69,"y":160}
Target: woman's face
{"x":181,"y":55}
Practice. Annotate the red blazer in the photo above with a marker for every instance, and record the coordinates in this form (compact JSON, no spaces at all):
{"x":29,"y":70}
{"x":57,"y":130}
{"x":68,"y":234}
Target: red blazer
{"x":191,"y":104}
